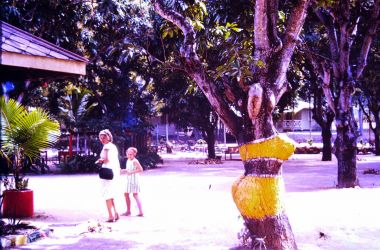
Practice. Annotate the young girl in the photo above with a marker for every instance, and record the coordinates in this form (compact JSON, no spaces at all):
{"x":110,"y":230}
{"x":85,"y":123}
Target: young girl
{"x":133,"y":168}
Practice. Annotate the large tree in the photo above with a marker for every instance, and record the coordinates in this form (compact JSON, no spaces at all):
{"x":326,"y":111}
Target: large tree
{"x":249,"y":103}
{"x":314,"y":73}
{"x":186,"y":106}
{"x":349,"y":27}
{"x":369,"y":96}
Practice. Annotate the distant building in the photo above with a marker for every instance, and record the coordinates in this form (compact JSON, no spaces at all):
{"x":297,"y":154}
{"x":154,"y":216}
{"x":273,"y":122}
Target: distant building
{"x":298,"y":118}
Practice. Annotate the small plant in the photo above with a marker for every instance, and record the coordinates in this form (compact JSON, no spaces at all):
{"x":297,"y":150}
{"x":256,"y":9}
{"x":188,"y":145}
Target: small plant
{"x":310,"y":141}
{"x":10,"y":183}
{"x":259,"y":243}
{"x":244,"y":237}
{"x":247,"y":241}
{"x":201,"y":141}
{"x":24,"y":134}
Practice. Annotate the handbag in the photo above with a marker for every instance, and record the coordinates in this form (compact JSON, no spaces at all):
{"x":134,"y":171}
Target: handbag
{"x":106,"y":173}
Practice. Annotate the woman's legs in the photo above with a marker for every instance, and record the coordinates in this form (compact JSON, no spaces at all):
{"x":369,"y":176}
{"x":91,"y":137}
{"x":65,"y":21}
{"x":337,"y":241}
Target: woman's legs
{"x":136,"y":196}
{"x":114,"y":209}
{"x":128,"y":201}
{"x":109,"y":204}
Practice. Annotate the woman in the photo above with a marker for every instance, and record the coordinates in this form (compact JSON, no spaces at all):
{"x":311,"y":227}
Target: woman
{"x":109,"y":158}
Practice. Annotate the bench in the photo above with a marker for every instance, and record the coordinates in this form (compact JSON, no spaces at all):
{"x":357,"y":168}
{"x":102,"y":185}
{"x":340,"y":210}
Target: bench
{"x":230,"y":151}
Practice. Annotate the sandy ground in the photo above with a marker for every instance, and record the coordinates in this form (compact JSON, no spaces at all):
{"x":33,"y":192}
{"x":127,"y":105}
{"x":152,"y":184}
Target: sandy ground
{"x":189,"y":206}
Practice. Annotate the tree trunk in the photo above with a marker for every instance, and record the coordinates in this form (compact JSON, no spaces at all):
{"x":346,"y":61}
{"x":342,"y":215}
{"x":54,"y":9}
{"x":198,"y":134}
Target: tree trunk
{"x":85,"y":145}
{"x":71,"y":144}
{"x":327,"y":148}
{"x":324,"y":116}
{"x":377,"y":142}
{"x":259,"y":193}
{"x":377,"y":136}
{"x":77,"y":142}
{"x":346,"y":149}
{"x":210,"y":139}
{"x":259,"y":197}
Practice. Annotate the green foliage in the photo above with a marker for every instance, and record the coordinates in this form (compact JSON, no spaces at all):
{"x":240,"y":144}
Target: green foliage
{"x":75,"y":104}
{"x":149,"y":160}
{"x":79,"y":164}
{"x":24,"y":134}
{"x":327,"y":3}
{"x":116,"y":88}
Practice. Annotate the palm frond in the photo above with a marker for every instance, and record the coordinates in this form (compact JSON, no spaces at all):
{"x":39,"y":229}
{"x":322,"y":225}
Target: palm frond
{"x":30,"y":131}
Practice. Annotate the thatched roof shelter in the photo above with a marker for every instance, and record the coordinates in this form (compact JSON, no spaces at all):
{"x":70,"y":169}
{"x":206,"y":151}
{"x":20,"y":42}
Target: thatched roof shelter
{"x":28,"y":57}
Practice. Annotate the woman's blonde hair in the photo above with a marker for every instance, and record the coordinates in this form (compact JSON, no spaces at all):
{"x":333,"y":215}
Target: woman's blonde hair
{"x":133,"y":149}
{"x":107,"y":133}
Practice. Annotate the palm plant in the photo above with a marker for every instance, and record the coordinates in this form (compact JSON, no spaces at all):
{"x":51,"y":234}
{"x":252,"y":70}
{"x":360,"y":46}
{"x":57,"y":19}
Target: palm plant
{"x":24,"y":134}
{"x":75,"y":106}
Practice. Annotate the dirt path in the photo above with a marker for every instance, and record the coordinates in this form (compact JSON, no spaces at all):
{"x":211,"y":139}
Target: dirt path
{"x":189,"y":206}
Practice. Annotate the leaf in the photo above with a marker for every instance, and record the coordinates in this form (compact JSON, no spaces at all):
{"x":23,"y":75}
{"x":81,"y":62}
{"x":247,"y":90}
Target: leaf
{"x":260,"y":64}
{"x":164,"y":34}
{"x":227,"y":35}
{"x":202,"y":5}
{"x":236,"y":29}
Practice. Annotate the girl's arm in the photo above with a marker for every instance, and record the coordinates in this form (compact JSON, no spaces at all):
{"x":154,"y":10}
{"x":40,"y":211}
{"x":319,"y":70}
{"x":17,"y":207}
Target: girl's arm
{"x":137,"y":166}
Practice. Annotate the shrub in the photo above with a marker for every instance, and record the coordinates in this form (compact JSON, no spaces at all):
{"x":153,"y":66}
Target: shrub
{"x":149,"y":160}
{"x":79,"y":164}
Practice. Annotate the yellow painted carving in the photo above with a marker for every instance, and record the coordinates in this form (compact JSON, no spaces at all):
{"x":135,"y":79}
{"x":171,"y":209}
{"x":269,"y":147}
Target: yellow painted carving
{"x":258,"y":197}
{"x":280,"y":147}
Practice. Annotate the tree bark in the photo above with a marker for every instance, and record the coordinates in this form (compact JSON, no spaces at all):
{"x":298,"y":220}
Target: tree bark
{"x":327,"y":147}
{"x":324,"y":117}
{"x":347,"y":71}
{"x":373,"y":110}
{"x":259,"y":193}
{"x":346,"y":149}
{"x":377,"y":141}
{"x":259,"y":196}
{"x":377,"y":136}
{"x":210,"y":139}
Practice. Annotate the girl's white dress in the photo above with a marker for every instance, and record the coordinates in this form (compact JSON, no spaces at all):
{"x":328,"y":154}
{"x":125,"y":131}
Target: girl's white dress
{"x":133,"y":180}
{"x":110,"y":188}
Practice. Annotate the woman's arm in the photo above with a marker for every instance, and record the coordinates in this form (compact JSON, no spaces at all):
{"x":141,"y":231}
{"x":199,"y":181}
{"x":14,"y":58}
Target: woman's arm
{"x":104,"y":157}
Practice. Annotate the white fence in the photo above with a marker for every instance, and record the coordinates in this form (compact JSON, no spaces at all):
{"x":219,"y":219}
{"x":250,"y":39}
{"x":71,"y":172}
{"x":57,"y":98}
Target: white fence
{"x":292,"y":125}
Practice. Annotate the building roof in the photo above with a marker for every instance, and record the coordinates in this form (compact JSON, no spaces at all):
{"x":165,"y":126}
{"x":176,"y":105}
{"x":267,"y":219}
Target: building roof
{"x":300,"y":105}
{"x":25,"y":56}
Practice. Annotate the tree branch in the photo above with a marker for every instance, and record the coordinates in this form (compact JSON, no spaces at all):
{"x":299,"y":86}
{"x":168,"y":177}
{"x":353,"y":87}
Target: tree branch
{"x":371,"y":32}
{"x":326,"y":79}
{"x":293,"y":29}
{"x":188,"y":47}
{"x":196,"y":69}
{"x":261,"y":24}
{"x":323,"y":72}
{"x":328,"y":22}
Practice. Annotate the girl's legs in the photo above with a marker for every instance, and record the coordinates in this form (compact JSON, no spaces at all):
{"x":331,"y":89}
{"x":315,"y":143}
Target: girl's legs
{"x":128,"y":201}
{"x":136,"y":196}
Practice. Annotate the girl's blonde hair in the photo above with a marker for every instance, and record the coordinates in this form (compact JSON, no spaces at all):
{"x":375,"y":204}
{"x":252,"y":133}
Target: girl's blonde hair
{"x":133,"y":149}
